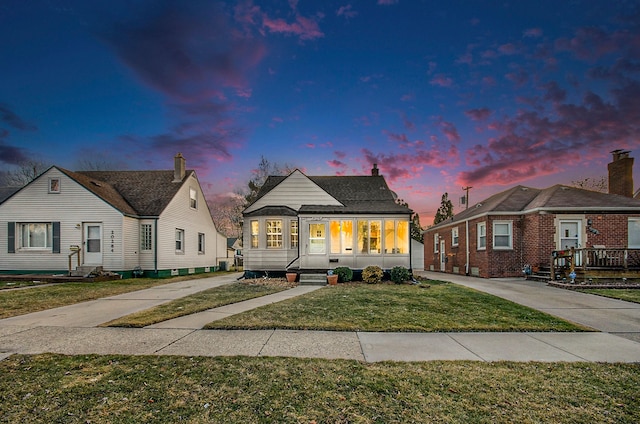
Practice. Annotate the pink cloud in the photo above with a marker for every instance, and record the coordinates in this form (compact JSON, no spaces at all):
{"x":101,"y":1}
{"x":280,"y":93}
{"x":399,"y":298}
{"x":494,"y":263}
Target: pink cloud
{"x":441,"y":80}
{"x":346,"y":11}
{"x":532,"y":33}
{"x":407,"y":97}
{"x":387,"y":2}
{"x":542,"y":140}
{"x":305,"y":28}
{"x":450,"y":131}
{"x":508,"y":49}
{"x":478,"y":114}
{"x":408,"y":166}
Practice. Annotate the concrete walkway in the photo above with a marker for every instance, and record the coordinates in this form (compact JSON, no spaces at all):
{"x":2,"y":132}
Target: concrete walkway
{"x":71,"y":330}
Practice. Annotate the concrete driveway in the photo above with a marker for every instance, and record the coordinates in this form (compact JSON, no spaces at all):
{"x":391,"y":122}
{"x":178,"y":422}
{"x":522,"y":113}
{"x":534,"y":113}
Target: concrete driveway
{"x":597,"y":312}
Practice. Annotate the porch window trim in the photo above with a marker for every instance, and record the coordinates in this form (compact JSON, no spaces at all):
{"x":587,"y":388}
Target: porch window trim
{"x":275,"y":238}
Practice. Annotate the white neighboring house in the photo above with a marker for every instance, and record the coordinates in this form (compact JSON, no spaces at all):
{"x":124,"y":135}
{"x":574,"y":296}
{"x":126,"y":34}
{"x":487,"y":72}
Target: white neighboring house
{"x":157,"y":221}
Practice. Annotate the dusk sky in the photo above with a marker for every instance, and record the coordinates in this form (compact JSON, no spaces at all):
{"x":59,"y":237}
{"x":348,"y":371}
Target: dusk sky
{"x":440,"y":94}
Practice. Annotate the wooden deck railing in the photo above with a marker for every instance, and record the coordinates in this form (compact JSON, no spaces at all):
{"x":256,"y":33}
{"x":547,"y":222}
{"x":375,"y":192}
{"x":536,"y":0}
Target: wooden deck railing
{"x":594,"y":259}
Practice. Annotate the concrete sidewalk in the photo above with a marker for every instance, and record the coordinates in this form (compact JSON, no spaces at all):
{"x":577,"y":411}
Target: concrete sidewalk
{"x":71,"y":330}
{"x":361,"y":346}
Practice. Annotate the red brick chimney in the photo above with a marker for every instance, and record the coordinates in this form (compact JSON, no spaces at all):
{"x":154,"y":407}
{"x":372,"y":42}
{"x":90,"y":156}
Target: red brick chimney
{"x":178,"y":169}
{"x":621,"y":173}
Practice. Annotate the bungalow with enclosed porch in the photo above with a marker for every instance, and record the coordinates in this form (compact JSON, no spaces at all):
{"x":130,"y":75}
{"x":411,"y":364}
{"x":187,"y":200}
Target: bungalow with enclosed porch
{"x":152,"y":222}
{"x":317,"y":223}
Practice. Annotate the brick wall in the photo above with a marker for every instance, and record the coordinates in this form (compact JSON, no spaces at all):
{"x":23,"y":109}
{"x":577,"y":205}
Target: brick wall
{"x":534,"y":239}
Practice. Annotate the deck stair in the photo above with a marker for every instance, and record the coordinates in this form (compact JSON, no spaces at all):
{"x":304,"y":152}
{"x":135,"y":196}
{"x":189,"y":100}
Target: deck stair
{"x":542,"y":274}
{"x":84,"y":271}
{"x":313,"y":279}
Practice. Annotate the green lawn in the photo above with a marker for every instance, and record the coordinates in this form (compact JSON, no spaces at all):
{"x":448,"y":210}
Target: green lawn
{"x":167,"y":389}
{"x":208,"y":299}
{"x":19,"y":302}
{"x":387,"y":307}
{"x":630,"y":295}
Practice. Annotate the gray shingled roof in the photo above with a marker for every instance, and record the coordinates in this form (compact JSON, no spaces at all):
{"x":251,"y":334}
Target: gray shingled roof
{"x":521,"y":199}
{"x":6,"y":192}
{"x":358,"y":194}
{"x":139,"y":193}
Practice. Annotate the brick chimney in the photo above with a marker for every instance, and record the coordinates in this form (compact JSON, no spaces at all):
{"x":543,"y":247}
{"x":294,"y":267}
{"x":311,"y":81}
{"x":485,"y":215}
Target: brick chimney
{"x":179,"y":168}
{"x":374,"y":171}
{"x":621,"y":173}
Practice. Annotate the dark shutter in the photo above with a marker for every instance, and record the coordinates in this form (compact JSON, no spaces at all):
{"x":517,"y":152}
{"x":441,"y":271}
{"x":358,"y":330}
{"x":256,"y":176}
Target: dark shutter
{"x":56,"y":237}
{"x":11,"y":241}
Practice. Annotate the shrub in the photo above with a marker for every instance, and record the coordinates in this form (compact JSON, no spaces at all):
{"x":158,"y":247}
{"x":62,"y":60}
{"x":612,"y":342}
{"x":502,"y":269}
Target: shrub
{"x":344,"y":274}
{"x":400,"y":274}
{"x":372,"y":274}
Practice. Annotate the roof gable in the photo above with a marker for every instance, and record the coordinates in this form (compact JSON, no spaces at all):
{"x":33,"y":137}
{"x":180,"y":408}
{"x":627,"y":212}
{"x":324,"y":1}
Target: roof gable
{"x":141,"y":193}
{"x":294,"y":191}
{"x":328,"y":194}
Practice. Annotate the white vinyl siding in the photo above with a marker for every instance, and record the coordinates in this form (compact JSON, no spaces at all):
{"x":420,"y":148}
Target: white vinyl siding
{"x":296,"y":190}
{"x":179,"y":214}
{"x":73,"y":206}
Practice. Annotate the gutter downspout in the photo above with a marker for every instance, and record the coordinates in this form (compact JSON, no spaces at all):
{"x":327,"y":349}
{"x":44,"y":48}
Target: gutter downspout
{"x":466,"y":265}
{"x":155,"y":246}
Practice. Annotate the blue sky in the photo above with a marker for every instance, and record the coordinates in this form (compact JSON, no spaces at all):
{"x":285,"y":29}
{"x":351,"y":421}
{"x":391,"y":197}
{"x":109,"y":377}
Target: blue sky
{"x":440,"y":95}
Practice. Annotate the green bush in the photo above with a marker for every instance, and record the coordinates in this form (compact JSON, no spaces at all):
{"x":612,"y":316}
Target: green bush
{"x":344,"y":274}
{"x":400,"y":274}
{"x":372,"y":274}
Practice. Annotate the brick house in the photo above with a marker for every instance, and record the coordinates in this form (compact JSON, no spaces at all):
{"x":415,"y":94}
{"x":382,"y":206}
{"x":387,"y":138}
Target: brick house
{"x":522,"y":226}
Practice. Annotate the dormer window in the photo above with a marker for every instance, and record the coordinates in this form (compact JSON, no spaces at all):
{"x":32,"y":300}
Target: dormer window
{"x":54,"y":185}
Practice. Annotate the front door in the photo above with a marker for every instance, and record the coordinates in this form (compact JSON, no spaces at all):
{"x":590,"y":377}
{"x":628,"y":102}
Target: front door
{"x":317,"y":246}
{"x":443,"y":257}
{"x":92,"y":244}
{"x":571,"y":236}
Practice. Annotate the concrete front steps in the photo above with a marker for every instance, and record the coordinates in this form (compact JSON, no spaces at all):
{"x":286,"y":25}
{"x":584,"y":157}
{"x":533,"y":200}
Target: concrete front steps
{"x":313,"y":279}
{"x":84,"y":271}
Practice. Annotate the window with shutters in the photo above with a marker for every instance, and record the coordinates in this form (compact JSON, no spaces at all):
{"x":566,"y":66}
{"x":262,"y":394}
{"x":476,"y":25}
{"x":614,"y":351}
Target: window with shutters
{"x":35,"y":236}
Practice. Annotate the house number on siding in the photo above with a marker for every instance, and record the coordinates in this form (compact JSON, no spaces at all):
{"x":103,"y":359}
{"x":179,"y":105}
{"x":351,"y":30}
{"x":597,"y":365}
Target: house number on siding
{"x":112,"y":240}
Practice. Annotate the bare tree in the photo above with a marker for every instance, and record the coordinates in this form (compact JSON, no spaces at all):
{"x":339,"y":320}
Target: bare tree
{"x":26,"y":172}
{"x":227,"y":214}
{"x":260,"y":175}
{"x":599,"y":184}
